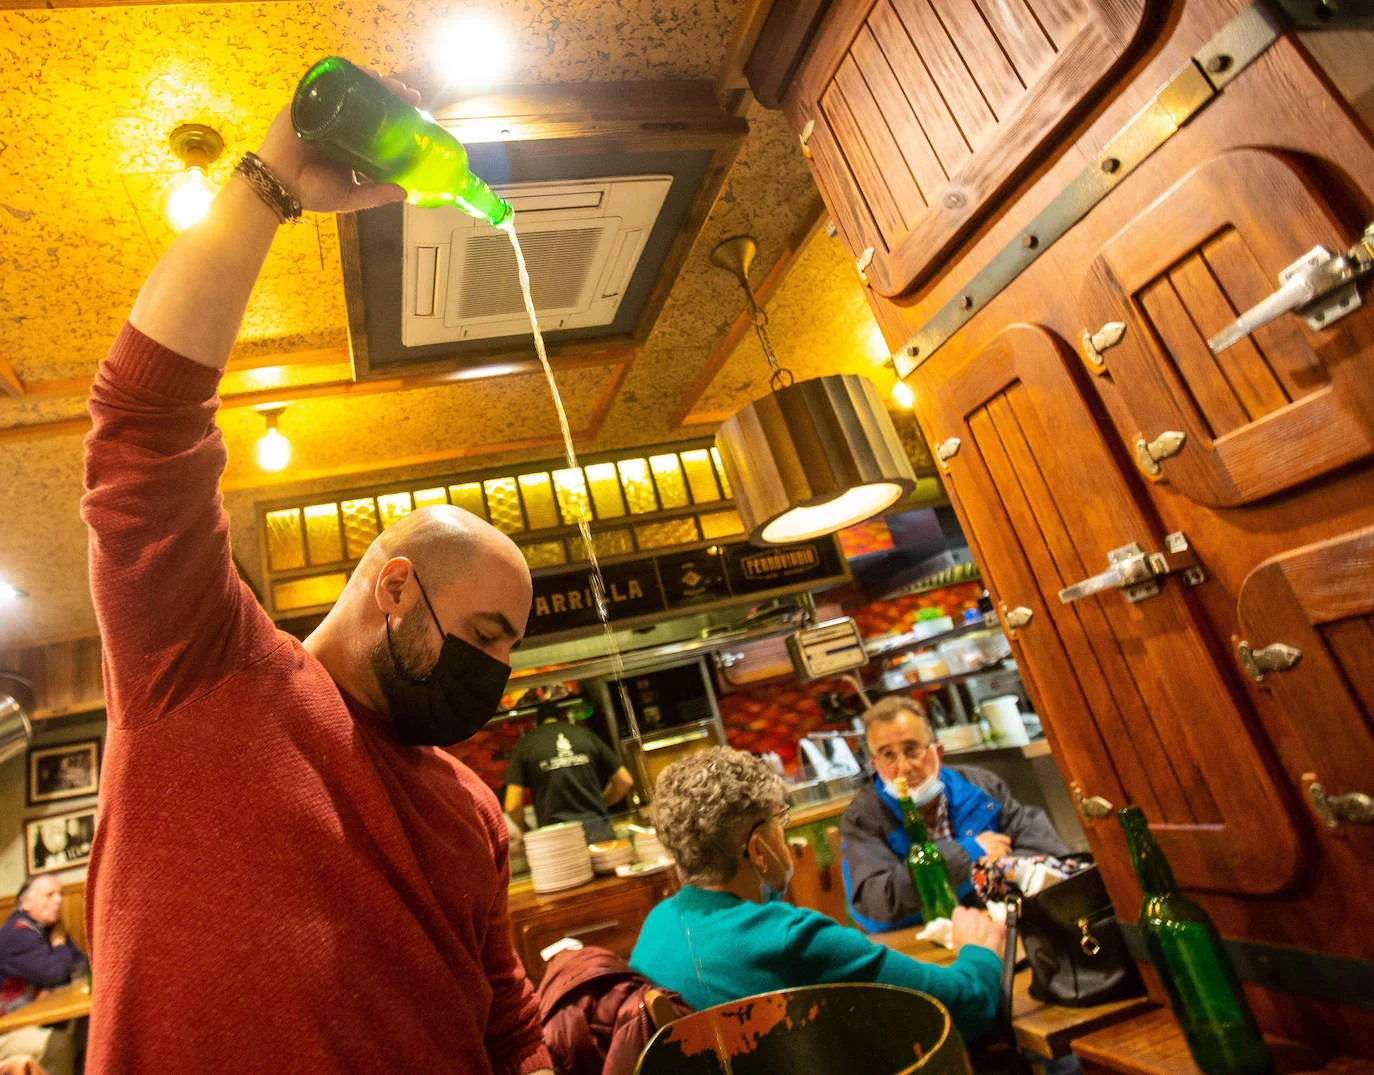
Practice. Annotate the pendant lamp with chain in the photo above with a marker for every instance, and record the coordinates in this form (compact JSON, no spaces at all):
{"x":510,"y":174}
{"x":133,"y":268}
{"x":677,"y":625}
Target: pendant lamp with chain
{"x":811,"y":457}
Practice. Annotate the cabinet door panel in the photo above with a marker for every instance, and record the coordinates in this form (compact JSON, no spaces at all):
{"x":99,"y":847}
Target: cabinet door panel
{"x":1320,"y":599}
{"x":1136,"y":697}
{"x":929,"y":106}
{"x":1279,"y":407}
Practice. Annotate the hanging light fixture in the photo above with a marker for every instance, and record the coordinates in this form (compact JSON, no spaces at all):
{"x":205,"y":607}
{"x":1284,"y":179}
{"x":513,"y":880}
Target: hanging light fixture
{"x":187,"y":196}
{"x":811,"y":457}
{"x":273,"y":449}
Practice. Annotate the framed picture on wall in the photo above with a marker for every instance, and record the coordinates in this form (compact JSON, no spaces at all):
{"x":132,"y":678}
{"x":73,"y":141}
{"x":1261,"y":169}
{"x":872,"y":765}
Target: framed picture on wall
{"x":59,"y":842}
{"x":64,"y":772}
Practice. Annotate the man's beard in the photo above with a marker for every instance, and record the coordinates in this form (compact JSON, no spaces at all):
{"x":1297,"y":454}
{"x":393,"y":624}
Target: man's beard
{"x":414,"y":660}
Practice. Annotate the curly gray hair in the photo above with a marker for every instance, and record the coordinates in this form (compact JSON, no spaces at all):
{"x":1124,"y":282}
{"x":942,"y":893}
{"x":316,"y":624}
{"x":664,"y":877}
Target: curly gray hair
{"x":706,"y":803}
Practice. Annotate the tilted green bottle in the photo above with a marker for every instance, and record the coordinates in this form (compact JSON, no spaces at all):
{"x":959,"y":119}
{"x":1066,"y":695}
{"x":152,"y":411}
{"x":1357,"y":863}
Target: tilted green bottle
{"x":924,"y":862}
{"x":1186,"y":950}
{"x":356,"y":120}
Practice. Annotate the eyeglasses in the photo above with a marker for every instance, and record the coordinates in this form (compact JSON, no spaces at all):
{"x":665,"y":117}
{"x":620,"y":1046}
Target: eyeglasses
{"x":912,"y":752}
{"x":782,"y":816}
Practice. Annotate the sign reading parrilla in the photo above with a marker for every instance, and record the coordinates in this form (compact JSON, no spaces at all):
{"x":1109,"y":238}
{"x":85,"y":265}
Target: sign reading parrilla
{"x":563,"y":601}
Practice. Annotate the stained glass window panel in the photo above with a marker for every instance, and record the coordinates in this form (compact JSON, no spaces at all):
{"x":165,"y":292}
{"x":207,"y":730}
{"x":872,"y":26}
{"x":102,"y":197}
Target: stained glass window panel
{"x":307,"y":593}
{"x":701,"y":477}
{"x":322,"y":533}
{"x":720,"y":473}
{"x":681,"y":531}
{"x":605,"y":490}
{"x":612,"y":543}
{"x":360,"y":525}
{"x":672,"y":487}
{"x":544,"y":554}
{"x":639,"y":487}
{"x":538,"y":494}
{"x":573,"y":502}
{"x":394,"y":506}
{"x":719,"y":524}
{"x":285,"y":542}
{"x":504,"y":504}
{"x":469,"y":498}
{"x":425,"y":497}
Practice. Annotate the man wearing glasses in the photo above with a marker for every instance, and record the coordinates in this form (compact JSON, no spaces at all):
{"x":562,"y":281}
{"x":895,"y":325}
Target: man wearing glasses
{"x":969,"y":813}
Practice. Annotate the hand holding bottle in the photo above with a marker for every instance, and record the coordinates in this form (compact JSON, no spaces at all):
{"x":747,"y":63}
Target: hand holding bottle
{"x":975,"y":927}
{"x":322,"y":184}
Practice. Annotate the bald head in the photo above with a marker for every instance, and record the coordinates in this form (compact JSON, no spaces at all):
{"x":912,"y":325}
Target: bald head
{"x":475,"y":579}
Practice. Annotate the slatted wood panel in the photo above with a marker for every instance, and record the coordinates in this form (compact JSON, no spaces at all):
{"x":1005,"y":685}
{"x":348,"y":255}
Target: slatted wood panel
{"x":1276,"y":409}
{"x":1139,"y":707}
{"x":929,"y":105}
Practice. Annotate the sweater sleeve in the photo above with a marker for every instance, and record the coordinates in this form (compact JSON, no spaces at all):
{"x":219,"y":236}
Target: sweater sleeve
{"x":515,"y":1036}
{"x":175,"y":619}
{"x":828,"y":952}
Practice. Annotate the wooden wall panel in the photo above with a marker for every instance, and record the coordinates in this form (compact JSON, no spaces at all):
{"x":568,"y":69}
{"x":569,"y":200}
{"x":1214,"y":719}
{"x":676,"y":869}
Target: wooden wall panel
{"x":66,"y":676}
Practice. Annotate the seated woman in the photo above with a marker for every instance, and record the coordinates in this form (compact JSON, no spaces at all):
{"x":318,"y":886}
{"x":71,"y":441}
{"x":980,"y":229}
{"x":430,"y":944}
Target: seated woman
{"x":728,"y":934}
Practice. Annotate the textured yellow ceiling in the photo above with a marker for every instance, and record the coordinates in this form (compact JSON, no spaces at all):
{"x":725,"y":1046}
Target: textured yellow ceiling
{"x":85,"y":108}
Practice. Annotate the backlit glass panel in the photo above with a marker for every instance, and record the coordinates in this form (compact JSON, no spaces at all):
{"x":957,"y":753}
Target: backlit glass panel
{"x":672,"y":486}
{"x":393,"y":506}
{"x":322,"y":533}
{"x":469,"y":498}
{"x":504,"y":504}
{"x":425,"y":497}
{"x":544,"y":554}
{"x":701,"y":478}
{"x":682,"y":531}
{"x":573,"y":501}
{"x":605,"y":490}
{"x":612,"y":543}
{"x":720,"y":473}
{"x":307,"y":593}
{"x":719,"y":524}
{"x":360,"y":525}
{"x":285,"y":543}
{"x":539,"y":506}
{"x":639,"y":487}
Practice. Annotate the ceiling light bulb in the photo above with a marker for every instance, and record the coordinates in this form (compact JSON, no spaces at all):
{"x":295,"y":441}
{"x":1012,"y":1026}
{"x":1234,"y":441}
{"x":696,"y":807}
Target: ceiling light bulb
{"x":186,"y":198}
{"x":273,"y":450}
{"x":9,"y":592}
{"x":473,"y":51}
{"x":901,"y":392}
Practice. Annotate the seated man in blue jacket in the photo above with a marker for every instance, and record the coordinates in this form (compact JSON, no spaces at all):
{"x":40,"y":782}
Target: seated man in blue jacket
{"x":969,"y":813}
{"x":36,"y":954}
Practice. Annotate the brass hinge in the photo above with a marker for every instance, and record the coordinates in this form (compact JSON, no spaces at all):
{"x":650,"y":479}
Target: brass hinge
{"x":1279,"y":657}
{"x":947,"y":449}
{"x":1353,"y":807}
{"x":805,"y":137}
{"x":1094,"y":807}
{"x":1164,"y":446}
{"x":1016,"y":618}
{"x":1104,"y":339}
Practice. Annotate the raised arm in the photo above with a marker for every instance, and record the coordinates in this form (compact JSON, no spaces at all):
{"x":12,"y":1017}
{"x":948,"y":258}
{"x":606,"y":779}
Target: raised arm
{"x":174,"y":617}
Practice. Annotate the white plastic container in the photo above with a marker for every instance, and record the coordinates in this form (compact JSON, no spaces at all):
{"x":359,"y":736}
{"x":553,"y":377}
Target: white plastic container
{"x":1004,"y":717}
{"x":930,"y":628}
{"x":929,"y":666}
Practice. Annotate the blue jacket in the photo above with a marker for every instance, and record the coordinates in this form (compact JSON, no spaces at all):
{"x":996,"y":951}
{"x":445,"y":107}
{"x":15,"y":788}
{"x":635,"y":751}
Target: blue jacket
{"x":30,"y":962}
{"x":881,"y":895}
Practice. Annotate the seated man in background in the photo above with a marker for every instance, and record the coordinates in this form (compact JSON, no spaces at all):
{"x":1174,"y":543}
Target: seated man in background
{"x":573,"y":775}
{"x":36,"y":955}
{"x":969,"y":813}
{"x":728,"y":934}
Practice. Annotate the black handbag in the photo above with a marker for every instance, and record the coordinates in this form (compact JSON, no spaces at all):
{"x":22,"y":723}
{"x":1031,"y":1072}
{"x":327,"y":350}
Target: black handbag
{"x":1073,"y":941}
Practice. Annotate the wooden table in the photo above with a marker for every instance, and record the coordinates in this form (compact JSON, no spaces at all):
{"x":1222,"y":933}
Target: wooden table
{"x":1151,"y":1044}
{"x":56,"y":1006}
{"x":1045,"y":1029}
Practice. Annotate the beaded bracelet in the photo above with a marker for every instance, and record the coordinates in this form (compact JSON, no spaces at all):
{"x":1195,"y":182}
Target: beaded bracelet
{"x":269,"y":188}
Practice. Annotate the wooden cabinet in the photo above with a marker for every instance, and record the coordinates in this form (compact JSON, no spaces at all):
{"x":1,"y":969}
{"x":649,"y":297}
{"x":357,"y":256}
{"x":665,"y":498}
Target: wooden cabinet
{"x":916,"y":112}
{"x":1271,"y":482}
{"x":607,"y":913}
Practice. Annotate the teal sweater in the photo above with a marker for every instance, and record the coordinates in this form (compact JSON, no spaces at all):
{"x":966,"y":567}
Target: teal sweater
{"x":744,"y":948}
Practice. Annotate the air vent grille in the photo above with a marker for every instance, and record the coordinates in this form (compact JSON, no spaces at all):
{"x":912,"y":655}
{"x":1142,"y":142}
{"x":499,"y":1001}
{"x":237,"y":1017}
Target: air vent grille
{"x":559,"y":264}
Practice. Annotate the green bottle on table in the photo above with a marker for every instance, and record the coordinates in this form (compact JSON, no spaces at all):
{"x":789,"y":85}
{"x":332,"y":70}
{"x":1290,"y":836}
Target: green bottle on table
{"x":924,"y":862}
{"x":359,"y":122}
{"x":1186,"y":950}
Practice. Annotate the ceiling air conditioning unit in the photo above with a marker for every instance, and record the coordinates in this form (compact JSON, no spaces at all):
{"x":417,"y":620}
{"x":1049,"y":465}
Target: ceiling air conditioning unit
{"x":581,"y":238}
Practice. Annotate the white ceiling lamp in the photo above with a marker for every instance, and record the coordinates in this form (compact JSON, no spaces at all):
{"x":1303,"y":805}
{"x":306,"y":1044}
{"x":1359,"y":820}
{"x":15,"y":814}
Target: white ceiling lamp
{"x":10,"y":592}
{"x":810,"y":457}
{"x":273,"y":449}
{"x":187,"y":196}
{"x":472,"y":52}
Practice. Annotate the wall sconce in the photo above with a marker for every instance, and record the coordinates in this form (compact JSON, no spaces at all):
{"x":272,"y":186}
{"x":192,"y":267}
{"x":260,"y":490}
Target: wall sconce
{"x":810,"y":457}
{"x":187,"y":196}
{"x":273,"y":449}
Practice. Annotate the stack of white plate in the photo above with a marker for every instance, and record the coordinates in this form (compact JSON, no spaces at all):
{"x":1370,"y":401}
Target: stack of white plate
{"x":647,"y":847}
{"x":558,"y":856}
{"x":606,"y":857}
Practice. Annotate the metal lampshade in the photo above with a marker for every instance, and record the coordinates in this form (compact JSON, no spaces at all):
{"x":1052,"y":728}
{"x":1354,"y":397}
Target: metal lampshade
{"x":15,"y":730}
{"x":812,"y":458}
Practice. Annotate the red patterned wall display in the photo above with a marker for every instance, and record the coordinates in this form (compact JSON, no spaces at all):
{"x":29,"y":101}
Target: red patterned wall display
{"x":865,"y":537}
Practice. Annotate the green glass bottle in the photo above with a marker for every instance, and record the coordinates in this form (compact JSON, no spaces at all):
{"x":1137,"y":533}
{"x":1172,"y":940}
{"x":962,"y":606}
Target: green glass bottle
{"x":1186,"y":950}
{"x":356,"y":120}
{"x":924,"y":862}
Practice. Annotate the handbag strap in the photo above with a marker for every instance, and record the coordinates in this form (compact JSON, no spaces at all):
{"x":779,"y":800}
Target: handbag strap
{"x":1009,"y":959}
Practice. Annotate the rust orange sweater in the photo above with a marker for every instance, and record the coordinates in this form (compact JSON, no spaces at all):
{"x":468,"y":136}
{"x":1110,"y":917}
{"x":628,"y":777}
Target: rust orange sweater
{"x":276,"y":885}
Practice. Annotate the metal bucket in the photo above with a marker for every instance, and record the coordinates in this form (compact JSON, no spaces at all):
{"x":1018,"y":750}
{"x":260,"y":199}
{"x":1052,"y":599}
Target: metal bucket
{"x":815,"y":1030}
{"x":15,"y":729}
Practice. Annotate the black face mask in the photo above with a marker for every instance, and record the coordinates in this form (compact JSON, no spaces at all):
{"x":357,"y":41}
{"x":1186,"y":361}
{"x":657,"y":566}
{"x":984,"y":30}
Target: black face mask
{"x":451,"y":703}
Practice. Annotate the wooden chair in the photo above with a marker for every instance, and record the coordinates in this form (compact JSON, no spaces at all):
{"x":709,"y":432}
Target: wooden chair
{"x":660,"y":1009}
{"x":820,"y":888}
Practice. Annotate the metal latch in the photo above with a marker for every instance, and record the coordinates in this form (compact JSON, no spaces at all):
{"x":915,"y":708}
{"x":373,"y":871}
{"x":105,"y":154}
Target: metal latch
{"x":1353,"y":807}
{"x":805,"y":137}
{"x":1104,"y":339}
{"x":1279,"y":657}
{"x":1149,"y":454}
{"x":1320,"y":287}
{"x":1093,"y":807}
{"x":1137,"y":573}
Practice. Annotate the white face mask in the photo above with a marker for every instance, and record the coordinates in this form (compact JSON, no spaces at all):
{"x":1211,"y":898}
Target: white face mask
{"x":928,"y":790}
